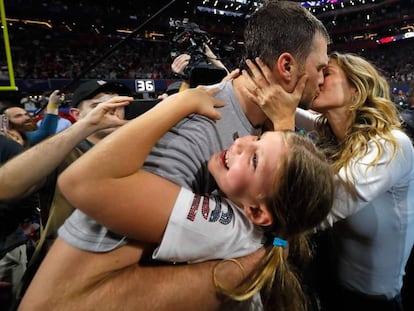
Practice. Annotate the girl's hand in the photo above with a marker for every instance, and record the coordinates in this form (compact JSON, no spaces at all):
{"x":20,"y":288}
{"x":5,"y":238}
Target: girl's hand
{"x":232,"y":75}
{"x":206,"y":102}
{"x":278,"y":104}
{"x":198,"y":100}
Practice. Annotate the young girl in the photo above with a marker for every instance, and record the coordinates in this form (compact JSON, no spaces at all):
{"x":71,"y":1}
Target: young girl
{"x":274,"y":189}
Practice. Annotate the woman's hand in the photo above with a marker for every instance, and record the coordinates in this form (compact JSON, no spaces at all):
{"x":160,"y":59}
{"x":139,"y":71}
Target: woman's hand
{"x":278,"y":104}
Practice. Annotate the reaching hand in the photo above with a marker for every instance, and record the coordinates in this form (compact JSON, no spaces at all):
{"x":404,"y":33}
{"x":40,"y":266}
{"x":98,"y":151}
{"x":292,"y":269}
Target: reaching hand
{"x":56,"y":98}
{"x":180,"y":62}
{"x":234,"y":74}
{"x":209,"y":103}
{"x":200,"y":100}
{"x":103,"y":115}
{"x":278,"y":104}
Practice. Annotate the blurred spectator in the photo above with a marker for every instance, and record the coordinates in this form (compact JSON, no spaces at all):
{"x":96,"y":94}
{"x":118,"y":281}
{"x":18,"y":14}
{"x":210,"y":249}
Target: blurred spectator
{"x":400,"y":99}
{"x":22,"y":127}
{"x":4,"y":73}
{"x":18,"y":228}
{"x":62,"y":124}
{"x":408,"y":114}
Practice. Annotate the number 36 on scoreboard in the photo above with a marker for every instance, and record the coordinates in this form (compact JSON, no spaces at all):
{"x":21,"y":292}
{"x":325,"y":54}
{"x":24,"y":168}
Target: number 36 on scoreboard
{"x":144,"y":85}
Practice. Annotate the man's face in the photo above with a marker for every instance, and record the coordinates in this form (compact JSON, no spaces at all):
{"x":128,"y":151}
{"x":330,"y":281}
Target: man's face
{"x":20,"y":120}
{"x":316,"y":61}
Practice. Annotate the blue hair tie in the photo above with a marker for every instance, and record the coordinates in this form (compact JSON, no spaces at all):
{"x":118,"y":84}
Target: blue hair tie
{"x":280,"y":242}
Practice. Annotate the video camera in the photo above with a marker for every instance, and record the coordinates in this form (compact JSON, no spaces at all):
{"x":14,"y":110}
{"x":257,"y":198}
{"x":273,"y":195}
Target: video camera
{"x":190,"y":39}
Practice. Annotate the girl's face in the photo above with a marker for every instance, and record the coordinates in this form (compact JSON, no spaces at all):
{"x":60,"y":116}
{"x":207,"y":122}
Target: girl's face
{"x":336,"y":91}
{"x":249,"y":168}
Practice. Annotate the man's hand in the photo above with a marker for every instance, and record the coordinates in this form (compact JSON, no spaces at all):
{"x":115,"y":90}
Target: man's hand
{"x":55,"y":99}
{"x":103,"y":115}
{"x":229,"y":275}
{"x":278,"y":104}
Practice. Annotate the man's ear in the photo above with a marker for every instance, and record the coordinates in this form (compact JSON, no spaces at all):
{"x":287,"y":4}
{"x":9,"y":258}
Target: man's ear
{"x":286,"y":66}
{"x":259,"y":215}
{"x":74,"y":113}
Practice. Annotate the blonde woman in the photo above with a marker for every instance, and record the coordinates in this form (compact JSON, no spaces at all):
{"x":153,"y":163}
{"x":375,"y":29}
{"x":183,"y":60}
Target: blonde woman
{"x":358,"y":128}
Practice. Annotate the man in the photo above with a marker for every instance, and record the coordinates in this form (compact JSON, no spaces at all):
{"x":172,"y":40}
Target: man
{"x":28,"y":172}
{"x":12,"y":249}
{"x":86,"y":97}
{"x":102,"y":121}
{"x":90,"y":267}
{"x":22,"y":127}
{"x":19,"y":220}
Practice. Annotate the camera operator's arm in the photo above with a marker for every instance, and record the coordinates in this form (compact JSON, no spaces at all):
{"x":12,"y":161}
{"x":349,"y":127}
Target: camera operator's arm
{"x":213,"y":58}
{"x":178,"y":66}
{"x":179,"y":63}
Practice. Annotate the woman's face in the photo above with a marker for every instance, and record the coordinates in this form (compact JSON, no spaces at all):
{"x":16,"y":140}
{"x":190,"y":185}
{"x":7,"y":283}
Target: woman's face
{"x":249,"y":167}
{"x":336,"y":91}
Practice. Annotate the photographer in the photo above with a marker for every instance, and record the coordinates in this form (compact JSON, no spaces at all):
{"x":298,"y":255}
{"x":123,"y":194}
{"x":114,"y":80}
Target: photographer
{"x":178,"y":66}
{"x":194,"y":61}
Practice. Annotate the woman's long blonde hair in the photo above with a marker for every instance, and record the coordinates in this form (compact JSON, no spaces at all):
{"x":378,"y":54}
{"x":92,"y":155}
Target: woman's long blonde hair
{"x":373,"y":114}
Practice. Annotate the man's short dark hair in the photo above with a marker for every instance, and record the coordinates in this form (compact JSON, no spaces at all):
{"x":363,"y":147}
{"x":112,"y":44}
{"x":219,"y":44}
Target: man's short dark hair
{"x":279,"y":27}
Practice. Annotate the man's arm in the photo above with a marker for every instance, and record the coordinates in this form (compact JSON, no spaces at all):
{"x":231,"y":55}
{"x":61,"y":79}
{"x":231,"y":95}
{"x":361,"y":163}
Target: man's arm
{"x":49,"y":124}
{"x":191,"y":287}
{"x":72,"y":279}
{"x":26,"y":172}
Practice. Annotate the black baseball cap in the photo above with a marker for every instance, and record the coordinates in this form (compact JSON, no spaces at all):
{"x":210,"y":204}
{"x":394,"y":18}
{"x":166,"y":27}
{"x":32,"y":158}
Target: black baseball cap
{"x":173,"y":88}
{"x":89,"y":89}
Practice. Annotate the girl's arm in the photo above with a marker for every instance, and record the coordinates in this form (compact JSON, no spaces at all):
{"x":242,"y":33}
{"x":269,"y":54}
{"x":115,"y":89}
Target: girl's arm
{"x":107,"y":182}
